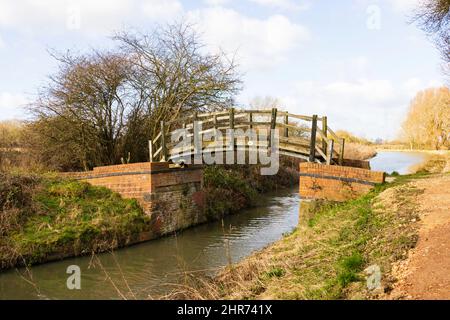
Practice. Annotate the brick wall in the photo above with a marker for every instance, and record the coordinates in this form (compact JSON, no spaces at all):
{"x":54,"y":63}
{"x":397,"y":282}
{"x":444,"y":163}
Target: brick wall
{"x":171,"y":196}
{"x":338,"y":183}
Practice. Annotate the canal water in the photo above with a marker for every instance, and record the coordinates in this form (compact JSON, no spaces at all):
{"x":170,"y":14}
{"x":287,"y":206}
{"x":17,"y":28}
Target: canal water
{"x":157,"y":267}
{"x":401,"y":162}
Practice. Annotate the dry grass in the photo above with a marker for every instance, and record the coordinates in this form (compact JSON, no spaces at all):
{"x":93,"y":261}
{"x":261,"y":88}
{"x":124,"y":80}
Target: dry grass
{"x":357,"y":151}
{"x":324,"y":258}
{"x":393,"y":146}
{"x":434,"y":163}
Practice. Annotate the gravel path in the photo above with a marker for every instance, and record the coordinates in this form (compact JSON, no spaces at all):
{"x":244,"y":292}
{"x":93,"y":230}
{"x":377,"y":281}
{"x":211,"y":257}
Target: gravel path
{"x":426,"y":272}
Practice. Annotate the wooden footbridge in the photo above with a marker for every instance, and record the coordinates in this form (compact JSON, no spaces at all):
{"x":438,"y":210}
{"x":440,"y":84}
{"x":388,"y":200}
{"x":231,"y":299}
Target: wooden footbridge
{"x":305,"y":137}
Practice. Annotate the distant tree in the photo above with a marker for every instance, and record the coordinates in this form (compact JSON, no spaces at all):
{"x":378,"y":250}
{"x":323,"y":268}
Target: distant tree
{"x":427,"y":124}
{"x":269,"y":102}
{"x":350,"y":137}
{"x":10,"y":142}
{"x":54,"y":144}
{"x":10,"y":134}
{"x":379,"y":141}
{"x":266,"y":102}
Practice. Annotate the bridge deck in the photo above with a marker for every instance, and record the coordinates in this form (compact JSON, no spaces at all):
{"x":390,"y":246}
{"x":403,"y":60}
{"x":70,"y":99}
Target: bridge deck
{"x":299,"y":136}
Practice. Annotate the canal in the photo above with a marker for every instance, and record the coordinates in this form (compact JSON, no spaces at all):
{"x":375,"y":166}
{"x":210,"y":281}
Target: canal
{"x":157,"y":267}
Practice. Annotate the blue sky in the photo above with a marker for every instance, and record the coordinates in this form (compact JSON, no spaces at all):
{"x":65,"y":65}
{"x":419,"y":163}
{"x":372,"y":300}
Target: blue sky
{"x":357,"y":61}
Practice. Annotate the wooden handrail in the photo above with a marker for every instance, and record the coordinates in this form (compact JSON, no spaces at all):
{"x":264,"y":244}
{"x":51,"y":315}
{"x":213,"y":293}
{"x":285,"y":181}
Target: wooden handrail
{"x":157,"y":152}
{"x":289,"y":126}
{"x":322,"y":146}
{"x":157,"y":137}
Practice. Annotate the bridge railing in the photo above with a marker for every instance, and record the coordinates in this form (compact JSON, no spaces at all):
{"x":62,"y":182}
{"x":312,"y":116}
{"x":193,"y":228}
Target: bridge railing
{"x":306,"y":137}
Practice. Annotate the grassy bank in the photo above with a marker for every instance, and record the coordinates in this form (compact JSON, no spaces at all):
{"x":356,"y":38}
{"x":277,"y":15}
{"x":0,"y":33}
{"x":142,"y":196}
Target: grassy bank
{"x":43,"y":215}
{"x":325,"y":257}
{"x":334,"y":250}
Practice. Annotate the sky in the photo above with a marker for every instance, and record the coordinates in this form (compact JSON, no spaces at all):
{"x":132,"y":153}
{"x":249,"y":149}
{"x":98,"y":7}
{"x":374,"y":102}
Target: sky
{"x":359,"y":62}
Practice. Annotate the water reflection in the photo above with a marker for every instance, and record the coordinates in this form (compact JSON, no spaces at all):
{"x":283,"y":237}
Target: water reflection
{"x":402,"y":162}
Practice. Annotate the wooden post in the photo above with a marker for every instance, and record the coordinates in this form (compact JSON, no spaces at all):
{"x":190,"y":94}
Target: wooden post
{"x":163,"y":142}
{"x":194,"y":118}
{"x":231,"y":118}
{"x":250,"y":119}
{"x":232,"y":131}
{"x":273,"y":120}
{"x":329,"y":154}
{"x":215,"y":121}
{"x":312,"y":146}
{"x":197,"y":140}
{"x":286,"y":121}
{"x":341,"y":154}
{"x":324,"y":130}
{"x":150,"y":149}
{"x":273,"y":124}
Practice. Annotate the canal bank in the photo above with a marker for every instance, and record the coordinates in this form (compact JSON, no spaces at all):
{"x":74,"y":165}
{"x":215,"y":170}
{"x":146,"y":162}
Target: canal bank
{"x":157,"y":268}
{"x":349,"y":250}
{"x":48,"y":217}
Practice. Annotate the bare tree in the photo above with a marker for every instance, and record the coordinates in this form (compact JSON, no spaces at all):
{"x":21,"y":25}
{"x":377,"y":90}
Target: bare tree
{"x":174,"y":75}
{"x":266,"y":102}
{"x":87,"y":101}
{"x":434,"y":18}
{"x":105,"y":106}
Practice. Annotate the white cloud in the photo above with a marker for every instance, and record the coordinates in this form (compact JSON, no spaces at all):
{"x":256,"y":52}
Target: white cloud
{"x":162,"y":10}
{"x":30,"y":15}
{"x":369,"y":91}
{"x":11,"y":105}
{"x":216,"y":2}
{"x":92,"y":17}
{"x":283,"y":4}
{"x":258,"y":43}
{"x":374,"y":108}
{"x":2,"y":42}
{"x":404,"y":5}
